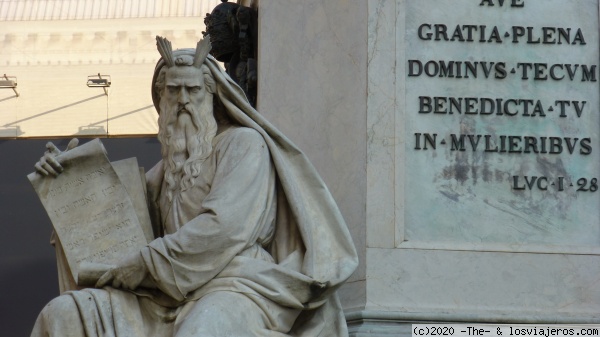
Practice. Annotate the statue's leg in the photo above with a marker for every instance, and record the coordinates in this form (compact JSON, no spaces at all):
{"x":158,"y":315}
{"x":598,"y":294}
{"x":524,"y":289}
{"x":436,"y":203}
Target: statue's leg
{"x":225,"y":313}
{"x":59,"y":318}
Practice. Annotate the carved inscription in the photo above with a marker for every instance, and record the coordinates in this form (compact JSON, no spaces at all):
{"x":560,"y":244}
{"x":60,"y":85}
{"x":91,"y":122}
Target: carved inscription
{"x":108,"y":253}
{"x":501,"y":122}
{"x":70,"y":185}
{"x":532,"y":108}
{"x":90,"y":208}
{"x":514,"y":34}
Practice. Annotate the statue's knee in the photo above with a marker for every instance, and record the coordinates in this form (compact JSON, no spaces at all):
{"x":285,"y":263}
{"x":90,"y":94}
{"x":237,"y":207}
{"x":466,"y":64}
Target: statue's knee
{"x":59,"y":308}
{"x":59,"y":318}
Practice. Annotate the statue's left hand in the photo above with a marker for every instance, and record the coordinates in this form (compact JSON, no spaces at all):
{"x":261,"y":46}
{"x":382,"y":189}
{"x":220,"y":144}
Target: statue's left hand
{"x":128,"y":274}
{"x":49,"y":164}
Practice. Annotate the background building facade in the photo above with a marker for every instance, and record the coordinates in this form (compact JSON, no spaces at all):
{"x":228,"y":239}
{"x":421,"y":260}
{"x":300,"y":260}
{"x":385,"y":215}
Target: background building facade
{"x":53,"y":47}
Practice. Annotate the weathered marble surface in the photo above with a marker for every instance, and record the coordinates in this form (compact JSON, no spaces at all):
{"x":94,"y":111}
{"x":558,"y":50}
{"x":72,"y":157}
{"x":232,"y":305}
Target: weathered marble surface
{"x":417,"y":239}
{"x":443,"y":259}
{"x":318,"y":52}
{"x":454,"y":193}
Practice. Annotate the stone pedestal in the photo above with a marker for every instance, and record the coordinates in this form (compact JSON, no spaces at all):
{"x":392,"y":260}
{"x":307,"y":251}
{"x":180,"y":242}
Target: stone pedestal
{"x":461,"y":141}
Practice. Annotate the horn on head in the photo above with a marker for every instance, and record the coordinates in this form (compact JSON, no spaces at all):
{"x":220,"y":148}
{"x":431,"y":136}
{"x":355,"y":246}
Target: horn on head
{"x":202,"y":49}
{"x":166,"y":50}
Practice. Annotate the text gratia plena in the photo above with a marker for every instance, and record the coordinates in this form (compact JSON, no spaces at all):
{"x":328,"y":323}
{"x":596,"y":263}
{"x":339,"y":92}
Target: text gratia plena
{"x":485,"y":34}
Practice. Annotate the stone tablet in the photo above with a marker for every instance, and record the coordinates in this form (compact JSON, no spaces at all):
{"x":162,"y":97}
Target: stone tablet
{"x":502,"y":123}
{"x":90,"y":209}
{"x":134,"y":180}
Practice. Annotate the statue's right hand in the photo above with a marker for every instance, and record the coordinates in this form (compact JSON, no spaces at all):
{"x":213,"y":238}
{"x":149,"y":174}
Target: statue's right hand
{"x":48,"y":164}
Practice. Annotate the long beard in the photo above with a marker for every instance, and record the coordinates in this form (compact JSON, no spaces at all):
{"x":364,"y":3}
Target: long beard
{"x":186,"y":143}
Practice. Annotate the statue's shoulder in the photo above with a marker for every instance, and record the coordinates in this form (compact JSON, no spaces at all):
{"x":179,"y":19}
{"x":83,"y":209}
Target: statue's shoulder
{"x":241,"y":136}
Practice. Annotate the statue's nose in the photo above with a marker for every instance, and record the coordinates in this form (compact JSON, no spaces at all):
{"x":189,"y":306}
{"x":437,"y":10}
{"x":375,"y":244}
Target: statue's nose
{"x":184,"y":97}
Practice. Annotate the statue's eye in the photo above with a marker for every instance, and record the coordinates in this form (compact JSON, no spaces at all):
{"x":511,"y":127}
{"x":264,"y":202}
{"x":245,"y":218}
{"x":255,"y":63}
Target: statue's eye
{"x":195,"y":90}
{"x":172,"y":89}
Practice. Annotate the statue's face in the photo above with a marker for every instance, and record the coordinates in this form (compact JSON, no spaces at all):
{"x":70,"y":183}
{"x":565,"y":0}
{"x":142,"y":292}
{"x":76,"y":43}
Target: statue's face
{"x":184,"y":85}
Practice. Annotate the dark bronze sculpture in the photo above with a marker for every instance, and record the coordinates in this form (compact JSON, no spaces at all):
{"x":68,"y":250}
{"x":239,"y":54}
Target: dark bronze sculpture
{"x":233,"y":34}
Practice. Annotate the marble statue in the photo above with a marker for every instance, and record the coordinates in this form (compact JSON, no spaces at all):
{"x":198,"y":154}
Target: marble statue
{"x":251,"y":243}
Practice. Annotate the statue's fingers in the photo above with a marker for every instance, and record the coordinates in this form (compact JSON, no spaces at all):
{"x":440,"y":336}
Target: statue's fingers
{"x":50,"y":169}
{"x":128,"y":285}
{"x":104,"y":279}
{"x":52,"y":161}
{"x":116,"y":283}
{"x":40,"y":169}
{"x":52,"y":148}
{"x":131,"y":283}
{"x":72,"y":144}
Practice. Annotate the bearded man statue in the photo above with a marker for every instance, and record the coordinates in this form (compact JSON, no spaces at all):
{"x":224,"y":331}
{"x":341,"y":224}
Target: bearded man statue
{"x":250,"y":242}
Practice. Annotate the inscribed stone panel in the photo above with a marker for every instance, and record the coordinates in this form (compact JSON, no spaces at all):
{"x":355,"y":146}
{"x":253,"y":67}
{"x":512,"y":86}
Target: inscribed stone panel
{"x":502,"y":122}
